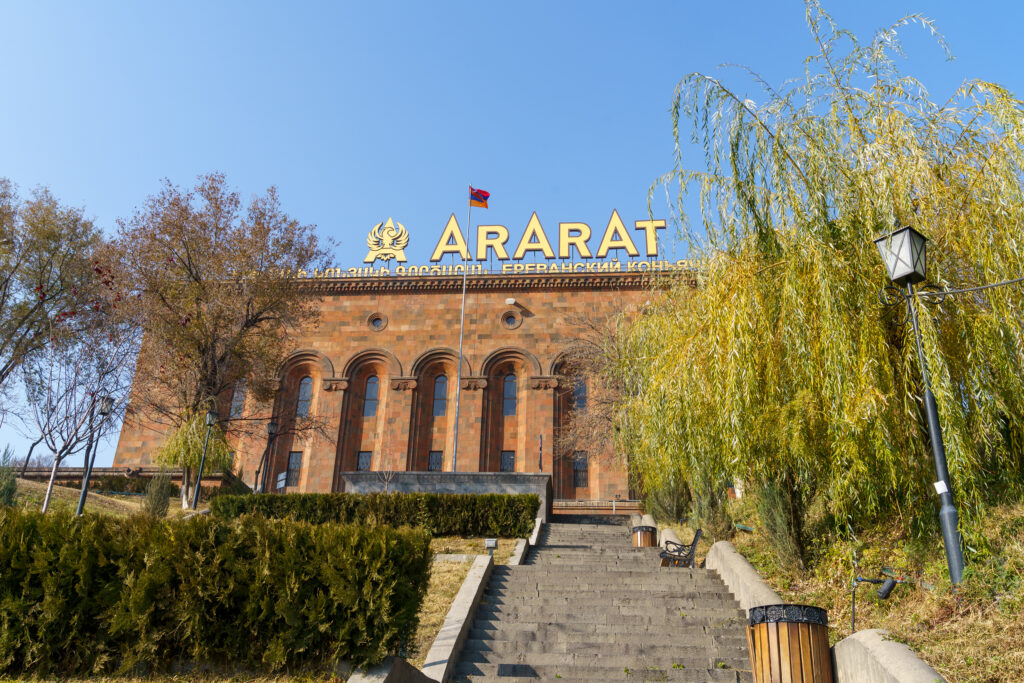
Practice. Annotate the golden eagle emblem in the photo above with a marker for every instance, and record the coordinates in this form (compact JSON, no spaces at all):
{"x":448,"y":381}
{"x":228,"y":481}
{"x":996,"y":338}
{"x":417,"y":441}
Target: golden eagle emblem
{"x":387,"y":242}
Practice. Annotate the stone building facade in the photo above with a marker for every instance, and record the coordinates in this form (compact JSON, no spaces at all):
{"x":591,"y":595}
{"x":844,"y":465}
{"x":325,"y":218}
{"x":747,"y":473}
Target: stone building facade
{"x":379,"y":375}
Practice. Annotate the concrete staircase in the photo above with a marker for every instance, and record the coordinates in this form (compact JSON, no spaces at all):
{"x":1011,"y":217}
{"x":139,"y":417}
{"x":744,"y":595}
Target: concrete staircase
{"x":587,"y":606}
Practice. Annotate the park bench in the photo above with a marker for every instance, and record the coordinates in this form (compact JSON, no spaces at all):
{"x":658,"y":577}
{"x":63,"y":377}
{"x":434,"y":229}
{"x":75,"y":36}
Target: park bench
{"x":678,"y":554}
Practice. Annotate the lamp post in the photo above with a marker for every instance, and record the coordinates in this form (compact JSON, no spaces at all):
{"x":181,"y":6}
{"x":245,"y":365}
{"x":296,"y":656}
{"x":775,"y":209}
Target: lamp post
{"x":260,"y":483}
{"x":106,"y":407}
{"x":211,"y":419}
{"x":905,"y":252}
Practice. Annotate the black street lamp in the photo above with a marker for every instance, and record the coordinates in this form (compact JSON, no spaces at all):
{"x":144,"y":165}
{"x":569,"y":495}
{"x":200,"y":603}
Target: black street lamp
{"x":106,"y":407}
{"x":904,"y":252}
{"x":211,"y":419}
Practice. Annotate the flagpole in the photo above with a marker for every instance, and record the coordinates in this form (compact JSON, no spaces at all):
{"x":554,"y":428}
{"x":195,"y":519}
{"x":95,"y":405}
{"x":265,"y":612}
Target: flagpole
{"x":462,"y":328}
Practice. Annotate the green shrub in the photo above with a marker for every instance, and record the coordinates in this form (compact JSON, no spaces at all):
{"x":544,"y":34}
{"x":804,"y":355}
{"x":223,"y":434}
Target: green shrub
{"x":8,"y":478}
{"x":443,"y":514}
{"x":97,"y":594}
{"x":158,"y":496}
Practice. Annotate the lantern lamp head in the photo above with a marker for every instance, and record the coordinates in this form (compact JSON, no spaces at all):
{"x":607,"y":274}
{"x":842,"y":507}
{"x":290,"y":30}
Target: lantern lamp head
{"x":271,"y":428}
{"x":211,"y":418}
{"x":106,"y":405}
{"x":905,"y":254}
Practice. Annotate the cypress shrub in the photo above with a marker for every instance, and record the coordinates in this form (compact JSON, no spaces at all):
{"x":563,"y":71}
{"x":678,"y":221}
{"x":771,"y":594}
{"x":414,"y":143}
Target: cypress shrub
{"x":443,"y":514}
{"x":97,"y":594}
{"x":158,"y":496}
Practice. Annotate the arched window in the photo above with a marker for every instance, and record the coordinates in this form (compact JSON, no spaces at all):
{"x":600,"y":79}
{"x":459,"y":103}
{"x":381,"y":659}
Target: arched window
{"x":238,"y":399}
{"x":508,"y":402}
{"x":305,"y":395}
{"x":579,"y":395}
{"x":370,"y":397}
{"x":440,"y":396}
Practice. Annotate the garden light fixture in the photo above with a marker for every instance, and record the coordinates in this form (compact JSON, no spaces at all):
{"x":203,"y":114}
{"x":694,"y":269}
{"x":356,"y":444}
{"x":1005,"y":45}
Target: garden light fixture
{"x":211,"y":419}
{"x":904,"y":252}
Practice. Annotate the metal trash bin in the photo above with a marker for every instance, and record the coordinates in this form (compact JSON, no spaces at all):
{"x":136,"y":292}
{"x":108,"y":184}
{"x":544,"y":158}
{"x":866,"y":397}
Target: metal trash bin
{"x":645,"y":536}
{"x":789,"y":644}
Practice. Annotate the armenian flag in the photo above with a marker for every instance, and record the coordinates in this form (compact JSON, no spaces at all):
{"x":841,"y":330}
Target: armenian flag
{"x":478,"y":197}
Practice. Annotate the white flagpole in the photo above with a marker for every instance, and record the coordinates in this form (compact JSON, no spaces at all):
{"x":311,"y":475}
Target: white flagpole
{"x":462,"y":328}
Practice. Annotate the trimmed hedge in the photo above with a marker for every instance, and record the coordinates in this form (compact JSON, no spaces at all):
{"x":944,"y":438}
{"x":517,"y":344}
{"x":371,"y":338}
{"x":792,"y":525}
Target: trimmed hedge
{"x":443,"y":514}
{"x":114,"y":484}
{"x":99,"y":594}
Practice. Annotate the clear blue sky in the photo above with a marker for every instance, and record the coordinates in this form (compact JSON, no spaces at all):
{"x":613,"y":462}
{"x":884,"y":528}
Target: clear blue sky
{"x":360,"y":111}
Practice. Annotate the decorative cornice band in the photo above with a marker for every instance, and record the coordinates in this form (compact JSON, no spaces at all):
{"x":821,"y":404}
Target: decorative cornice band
{"x":427,"y":283}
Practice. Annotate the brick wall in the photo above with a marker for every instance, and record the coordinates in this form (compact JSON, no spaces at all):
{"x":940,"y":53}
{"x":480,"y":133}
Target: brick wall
{"x":420,"y":341}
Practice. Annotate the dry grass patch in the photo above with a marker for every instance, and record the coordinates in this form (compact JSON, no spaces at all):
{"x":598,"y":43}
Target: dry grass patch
{"x":31,"y":494}
{"x":973,"y":635}
{"x":473,"y":546}
{"x":445,"y":580}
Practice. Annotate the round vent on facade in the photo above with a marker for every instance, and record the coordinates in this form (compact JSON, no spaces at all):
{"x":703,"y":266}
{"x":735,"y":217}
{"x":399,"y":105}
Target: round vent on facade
{"x":377,"y":321}
{"x":511,"y":319}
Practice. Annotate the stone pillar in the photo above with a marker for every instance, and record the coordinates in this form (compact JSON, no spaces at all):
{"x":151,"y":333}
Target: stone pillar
{"x":541,"y":421}
{"x":322,"y":452}
{"x":394,"y":445}
{"x":471,"y":422}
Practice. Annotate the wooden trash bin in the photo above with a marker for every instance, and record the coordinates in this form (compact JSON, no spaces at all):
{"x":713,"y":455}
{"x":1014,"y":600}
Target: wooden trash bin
{"x":789,"y":644}
{"x":645,"y":536}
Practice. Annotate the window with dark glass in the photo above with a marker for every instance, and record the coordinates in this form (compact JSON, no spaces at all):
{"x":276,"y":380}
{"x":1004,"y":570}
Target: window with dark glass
{"x":440,"y":396}
{"x":294,"y":467}
{"x":508,"y":461}
{"x":305,"y":395}
{"x":363,"y":464}
{"x":370,"y":397}
{"x":237,"y":399}
{"x":580,"y":471}
{"x":508,"y":402}
{"x":434,"y":463}
{"x":579,"y":395}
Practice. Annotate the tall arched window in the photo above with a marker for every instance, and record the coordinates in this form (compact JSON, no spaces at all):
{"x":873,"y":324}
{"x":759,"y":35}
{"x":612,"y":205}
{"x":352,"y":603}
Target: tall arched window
{"x":370,"y":397}
{"x":579,"y":395}
{"x":508,"y":402}
{"x":305,"y":395}
{"x":238,"y":399}
{"x":440,"y":396}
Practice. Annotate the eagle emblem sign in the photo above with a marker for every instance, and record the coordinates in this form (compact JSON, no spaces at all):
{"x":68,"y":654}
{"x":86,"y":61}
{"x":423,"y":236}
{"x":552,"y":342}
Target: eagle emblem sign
{"x":387,"y":242}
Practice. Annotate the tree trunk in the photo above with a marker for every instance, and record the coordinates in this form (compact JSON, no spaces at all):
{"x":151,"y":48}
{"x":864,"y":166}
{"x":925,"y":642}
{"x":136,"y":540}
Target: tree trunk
{"x":185,"y":476}
{"x":29,"y":456}
{"x":49,"y":486}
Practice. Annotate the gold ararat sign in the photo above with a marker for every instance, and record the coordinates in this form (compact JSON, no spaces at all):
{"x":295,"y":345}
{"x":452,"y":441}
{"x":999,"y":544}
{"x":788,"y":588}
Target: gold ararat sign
{"x":387,"y":242}
{"x":571,"y":236}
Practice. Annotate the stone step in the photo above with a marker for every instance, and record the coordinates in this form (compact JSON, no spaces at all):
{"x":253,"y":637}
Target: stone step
{"x":598,"y":568}
{"x":624,"y":615}
{"x":617,"y":578}
{"x":602,"y":584}
{"x":587,"y":600}
{"x":690,"y":648}
{"x":507,"y":672}
{"x":650,"y":593}
{"x":585,"y":632}
{"x":696,"y":658}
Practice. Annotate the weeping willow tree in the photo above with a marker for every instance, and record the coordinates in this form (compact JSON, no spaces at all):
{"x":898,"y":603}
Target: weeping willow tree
{"x":184,"y":449}
{"x":783,"y":369}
